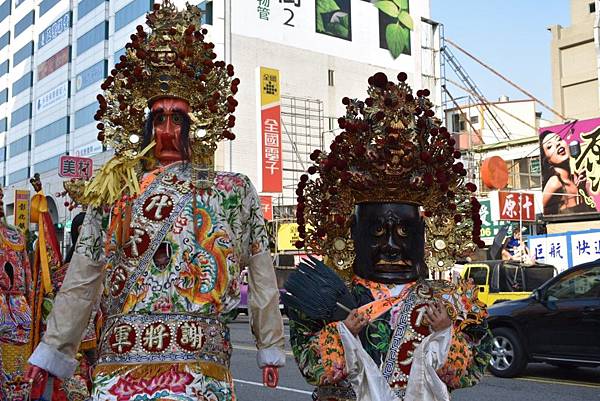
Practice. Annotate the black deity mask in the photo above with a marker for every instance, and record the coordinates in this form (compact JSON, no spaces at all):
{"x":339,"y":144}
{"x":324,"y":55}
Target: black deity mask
{"x":389,"y":242}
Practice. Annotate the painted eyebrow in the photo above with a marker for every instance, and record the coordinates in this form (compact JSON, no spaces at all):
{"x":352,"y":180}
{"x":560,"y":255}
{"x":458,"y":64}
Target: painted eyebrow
{"x":175,"y":110}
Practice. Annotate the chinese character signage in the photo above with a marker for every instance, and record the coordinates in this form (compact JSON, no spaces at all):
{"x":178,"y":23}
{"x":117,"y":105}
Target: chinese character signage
{"x":270,"y":121}
{"x":266,"y":202}
{"x":52,"y":97}
{"x":53,"y":63}
{"x":489,"y":228}
{"x":566,"y":249}
{"x":516,"y":206}
{"x":53,"y":31}
{"x":87,"y":150}
{"x":75,"y":167}
{"x":570,"y":164}
{"x":22,"y":209}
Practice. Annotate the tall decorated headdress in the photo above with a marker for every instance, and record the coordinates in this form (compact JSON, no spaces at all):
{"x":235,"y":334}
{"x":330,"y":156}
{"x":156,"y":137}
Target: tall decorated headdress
{"x":391,"y":149}
{"x":170,"y":61}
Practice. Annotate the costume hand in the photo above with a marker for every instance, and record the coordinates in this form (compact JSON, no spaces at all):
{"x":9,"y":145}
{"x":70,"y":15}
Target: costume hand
{"x":35,"y":373}
{"x":270,"y":376}
{"x":356,"y":321}
{"x":39,"y":378}
{"x":437,"y":316}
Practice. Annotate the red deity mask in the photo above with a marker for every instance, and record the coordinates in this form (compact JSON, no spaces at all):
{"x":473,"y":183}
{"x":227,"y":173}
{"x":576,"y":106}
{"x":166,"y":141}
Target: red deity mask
{"x":168,"y":115}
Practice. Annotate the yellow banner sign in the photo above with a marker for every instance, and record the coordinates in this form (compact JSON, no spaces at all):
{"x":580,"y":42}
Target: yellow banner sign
{"x":269,"y":86}
{"x":287,"y":235}
{"x":22,"y":209}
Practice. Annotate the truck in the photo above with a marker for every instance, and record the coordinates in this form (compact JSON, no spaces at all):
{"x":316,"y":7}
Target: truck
{"x":501,"y":280}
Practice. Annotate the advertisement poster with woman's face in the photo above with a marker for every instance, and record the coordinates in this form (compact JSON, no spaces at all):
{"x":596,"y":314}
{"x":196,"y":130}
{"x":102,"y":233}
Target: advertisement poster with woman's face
{"x":570,"y":159}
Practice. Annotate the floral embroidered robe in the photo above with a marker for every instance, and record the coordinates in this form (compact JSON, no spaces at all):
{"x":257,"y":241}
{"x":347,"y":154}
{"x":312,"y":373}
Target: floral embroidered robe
{"x":165,"y":337}
{"x":390,"y":341}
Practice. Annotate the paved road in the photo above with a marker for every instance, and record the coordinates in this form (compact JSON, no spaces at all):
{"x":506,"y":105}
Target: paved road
{"x":539,"y":383}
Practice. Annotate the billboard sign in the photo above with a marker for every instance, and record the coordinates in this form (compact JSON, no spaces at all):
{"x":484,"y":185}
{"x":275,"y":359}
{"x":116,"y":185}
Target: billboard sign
{"x":516,"y":206}
{"x":266,"y":202}
{"x":54,"y":30}
{"x":22,"y":209}
{"x":270,"y":129}
{"x":75,"y":167}
{"x":53,"y":63}
{"x":52,"y":97}
{"x":570,"y":164}
{"x":567,"y":249}
{"x":489,"y":226}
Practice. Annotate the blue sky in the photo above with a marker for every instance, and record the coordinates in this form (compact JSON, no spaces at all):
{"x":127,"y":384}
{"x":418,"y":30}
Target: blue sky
{"x":511,"y":36}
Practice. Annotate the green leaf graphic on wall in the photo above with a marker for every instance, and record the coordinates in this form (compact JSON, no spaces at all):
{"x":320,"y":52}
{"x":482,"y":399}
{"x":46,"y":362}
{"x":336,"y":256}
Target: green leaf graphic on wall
{"x":333,"y":18}
{"x":395,"y":24}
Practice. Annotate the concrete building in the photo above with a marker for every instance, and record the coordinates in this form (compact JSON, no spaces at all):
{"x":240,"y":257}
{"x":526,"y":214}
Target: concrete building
{"x":574,"y":57}
{"x":55,"y":53}
{"x":517,"y":144}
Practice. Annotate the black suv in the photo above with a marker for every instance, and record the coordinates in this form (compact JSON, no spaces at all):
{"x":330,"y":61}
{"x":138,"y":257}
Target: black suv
{"x":559,"y":324}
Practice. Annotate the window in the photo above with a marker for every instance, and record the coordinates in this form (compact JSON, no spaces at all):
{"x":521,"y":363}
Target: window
{"x":474,"y":119}
{"x":85,"y":116}
{"x":23,"y":53}
{"x":3,"y":124}
{"x":4,"y":68}
{"x":118,"y":54}
{"x":525,"y":173}
{"x":20,"y":115}
{"x":19,"y":175}
{"x":330,"y":77}
{"x":478,"y":274}
{"x":582,"y":283}
{"x":51,"y":131}
{"x":131,"y":11}
{"x":4,"y":96}
{"x":46,"y":5}
{"x":20,"y":146}
{"x":24,"y":23}
{"x":4,"y":10}
{"x":207,"y":12}
{"x":23,"y":83}
{"x":54,"y":30}
{"x":4,"y":40}
{"x":592,"y":7}
{"x":47,"y":165}
{"x":332,"y":123}
{"x":458,"y":124}
{"x":92,"y":37}
{"x":92,"y":75}
{"x":86,"y":6}
{"x":3,"y":155}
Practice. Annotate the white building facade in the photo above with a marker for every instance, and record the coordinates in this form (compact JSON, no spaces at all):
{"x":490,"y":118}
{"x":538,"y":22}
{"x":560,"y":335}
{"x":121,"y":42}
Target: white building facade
{"x":54,"y":54}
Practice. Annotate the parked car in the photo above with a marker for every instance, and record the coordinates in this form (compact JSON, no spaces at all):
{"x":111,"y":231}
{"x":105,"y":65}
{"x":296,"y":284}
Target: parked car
{"x":243,"y":305}
{"x":559,"y":324}
{"x":500,"y":281}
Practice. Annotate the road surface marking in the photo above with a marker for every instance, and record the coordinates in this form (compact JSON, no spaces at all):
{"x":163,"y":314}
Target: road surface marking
{"x":558,"y":381}
{"x":247,"y":348}
{"x":293,"y":390}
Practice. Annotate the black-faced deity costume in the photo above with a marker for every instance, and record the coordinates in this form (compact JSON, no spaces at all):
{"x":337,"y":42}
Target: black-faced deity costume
{"x":384,"y":206}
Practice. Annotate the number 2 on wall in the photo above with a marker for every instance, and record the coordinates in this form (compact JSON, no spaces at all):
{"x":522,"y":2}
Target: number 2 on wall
{"x":289,"y":21}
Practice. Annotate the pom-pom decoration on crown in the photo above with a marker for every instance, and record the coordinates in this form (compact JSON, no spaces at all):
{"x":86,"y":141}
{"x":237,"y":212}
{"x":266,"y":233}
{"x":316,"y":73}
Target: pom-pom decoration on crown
{"x":173,"y":60}
{"x":391,"y":149}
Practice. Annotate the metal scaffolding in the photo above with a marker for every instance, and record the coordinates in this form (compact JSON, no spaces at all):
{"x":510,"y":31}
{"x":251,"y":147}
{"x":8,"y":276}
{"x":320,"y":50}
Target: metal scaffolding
{"x":302,"y":121}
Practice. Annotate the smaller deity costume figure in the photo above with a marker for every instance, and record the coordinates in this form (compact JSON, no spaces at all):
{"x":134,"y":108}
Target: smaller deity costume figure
{"x":15,"y":307}
{"x":166,"y":260}
{"x":390,"y":202}
{"x":48,"y":273}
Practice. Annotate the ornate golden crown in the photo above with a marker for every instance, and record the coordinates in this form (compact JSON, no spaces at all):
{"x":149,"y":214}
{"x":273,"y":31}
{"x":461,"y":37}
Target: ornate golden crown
{"x":391,"y":149}
{"x":173,"y":60}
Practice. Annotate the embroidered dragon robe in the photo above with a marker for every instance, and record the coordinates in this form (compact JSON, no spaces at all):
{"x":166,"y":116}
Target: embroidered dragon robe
{"x":392,"y":338}
{"x":165,"y":335}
